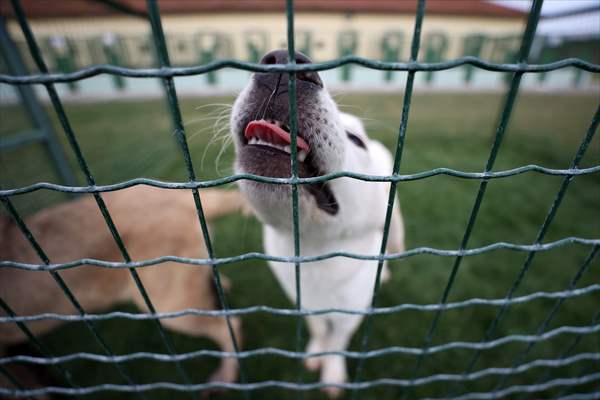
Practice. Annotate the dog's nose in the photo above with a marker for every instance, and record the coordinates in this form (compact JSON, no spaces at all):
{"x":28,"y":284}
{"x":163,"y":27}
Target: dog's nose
{"x":281,"y":57}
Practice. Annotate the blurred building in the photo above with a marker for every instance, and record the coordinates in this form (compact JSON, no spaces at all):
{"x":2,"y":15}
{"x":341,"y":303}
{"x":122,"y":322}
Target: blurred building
{"x":77,"y":33}
{"x":570,"y":33}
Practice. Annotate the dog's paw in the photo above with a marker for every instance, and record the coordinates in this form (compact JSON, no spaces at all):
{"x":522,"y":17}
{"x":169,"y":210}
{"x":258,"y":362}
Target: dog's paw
{"x":225,"y":373}
{"x":333,"y":392}
{"x":386,"y":275}
{"x":313,"y":363}
{"x":225,"y":284}
{"x":333,"y":371}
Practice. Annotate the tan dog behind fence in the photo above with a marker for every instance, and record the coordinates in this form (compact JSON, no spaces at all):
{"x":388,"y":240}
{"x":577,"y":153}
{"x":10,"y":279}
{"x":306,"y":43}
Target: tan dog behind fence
{"x":152,"y":223}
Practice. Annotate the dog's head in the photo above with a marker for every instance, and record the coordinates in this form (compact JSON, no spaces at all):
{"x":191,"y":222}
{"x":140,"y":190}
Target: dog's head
{"x":260,"y":122}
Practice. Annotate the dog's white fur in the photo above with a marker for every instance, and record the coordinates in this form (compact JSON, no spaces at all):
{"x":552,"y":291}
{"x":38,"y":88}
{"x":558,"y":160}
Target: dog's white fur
{"x":357,"y":227}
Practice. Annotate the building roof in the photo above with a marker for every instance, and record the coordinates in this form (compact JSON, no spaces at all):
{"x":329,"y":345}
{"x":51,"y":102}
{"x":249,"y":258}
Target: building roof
{"x":90,"y":8}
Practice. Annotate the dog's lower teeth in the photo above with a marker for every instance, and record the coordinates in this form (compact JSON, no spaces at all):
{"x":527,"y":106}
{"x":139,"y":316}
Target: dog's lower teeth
{"x":261,"y":142}
{"x":301,"y":155}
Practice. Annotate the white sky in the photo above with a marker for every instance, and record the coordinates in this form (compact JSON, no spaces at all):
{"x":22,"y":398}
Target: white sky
{"x":587,"y":24}
{"x":550,"y":6}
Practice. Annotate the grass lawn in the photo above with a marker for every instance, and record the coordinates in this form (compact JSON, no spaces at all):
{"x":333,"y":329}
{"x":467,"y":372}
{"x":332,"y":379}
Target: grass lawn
{"x":123,"y":140}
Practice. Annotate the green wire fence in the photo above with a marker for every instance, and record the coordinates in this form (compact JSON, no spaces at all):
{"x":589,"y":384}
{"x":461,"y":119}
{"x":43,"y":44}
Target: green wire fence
{"x":167,"y":74}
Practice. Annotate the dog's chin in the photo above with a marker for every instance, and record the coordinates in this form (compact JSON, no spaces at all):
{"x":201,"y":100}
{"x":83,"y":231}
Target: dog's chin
{"x":274,"y":163}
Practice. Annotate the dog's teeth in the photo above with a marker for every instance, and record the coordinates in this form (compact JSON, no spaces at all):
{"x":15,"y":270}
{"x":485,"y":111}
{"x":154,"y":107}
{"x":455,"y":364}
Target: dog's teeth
{"x":301,"y":155}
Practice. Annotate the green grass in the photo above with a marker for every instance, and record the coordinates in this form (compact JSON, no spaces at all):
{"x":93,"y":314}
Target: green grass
{"x":123,"y":140}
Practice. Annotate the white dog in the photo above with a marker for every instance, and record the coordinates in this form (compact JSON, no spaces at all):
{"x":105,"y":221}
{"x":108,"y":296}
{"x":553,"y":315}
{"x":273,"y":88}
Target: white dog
{"x":339,"y":215}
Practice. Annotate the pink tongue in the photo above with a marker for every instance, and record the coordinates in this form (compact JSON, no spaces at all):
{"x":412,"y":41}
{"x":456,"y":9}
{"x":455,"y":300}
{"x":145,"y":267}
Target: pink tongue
{"x":271,"y":133}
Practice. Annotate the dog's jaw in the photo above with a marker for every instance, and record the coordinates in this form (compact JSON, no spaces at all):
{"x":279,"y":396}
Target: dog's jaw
{"x":318,"y":121}
{"x":319,"y":124}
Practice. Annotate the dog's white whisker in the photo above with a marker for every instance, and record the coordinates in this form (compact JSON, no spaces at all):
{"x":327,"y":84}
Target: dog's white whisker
{"x":197,"y":132}
{"x":352,"y":107}
{"x":225,"y":105}
{"x":224,"y":147}
{"x":196,"y":120}
{"x":214,"y":139}
{"x":219,"y":128}
{"x":223,"y":116}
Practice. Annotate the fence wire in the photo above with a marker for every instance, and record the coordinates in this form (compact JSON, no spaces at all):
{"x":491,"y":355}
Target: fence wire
{"x":167,"y":73}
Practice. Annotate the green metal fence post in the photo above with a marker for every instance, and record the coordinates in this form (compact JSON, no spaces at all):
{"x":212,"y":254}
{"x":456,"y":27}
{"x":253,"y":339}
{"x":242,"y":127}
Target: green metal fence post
{"x":304,"y":42}
{"x":34,"y":109}
{"x":256,"y":44}
{"x":472,"y":46}
{"x":347,"y":44}
{"x":505,"y":50}
{"x":391,"y":49}
{"x":578,"y":74}
{"x":545,"y":55}
{"x":435,"y":49}
{"x":112,"y":47}
{"x":63,"y":54}
{"x":208,"y":44}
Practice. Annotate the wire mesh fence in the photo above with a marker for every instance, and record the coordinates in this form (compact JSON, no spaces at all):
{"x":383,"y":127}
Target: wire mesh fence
{"x":456,"y":387}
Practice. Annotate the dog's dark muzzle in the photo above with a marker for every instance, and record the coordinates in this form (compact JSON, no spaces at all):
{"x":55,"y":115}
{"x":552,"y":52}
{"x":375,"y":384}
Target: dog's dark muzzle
{"x":268,"y":108}
{"x":269,"y":91}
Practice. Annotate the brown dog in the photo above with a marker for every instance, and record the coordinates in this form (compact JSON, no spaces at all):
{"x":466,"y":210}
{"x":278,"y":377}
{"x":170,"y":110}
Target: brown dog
{"x":152,"y":222}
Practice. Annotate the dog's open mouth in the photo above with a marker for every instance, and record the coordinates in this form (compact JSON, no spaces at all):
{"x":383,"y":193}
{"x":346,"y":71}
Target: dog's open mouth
{"x":275,"y":134}
{"x":267,"y":149}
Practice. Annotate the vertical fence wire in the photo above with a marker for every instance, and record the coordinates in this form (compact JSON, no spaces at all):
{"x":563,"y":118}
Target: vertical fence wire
{"x":163,"y":55}
{"x":70,"y":297}
{"x":37,"y":343}
{"x":526,"y":43}
{"x":293,"y":122}
{"x":566,"y":353}
{"x":175,"y":113}
{"x":569,"y":350}
{"x":585,"y":369}
{"x":14,"y":381}
{"x":540,"y":236}
{"x":62,"y":116}
{"x":414,"y":53}
{"x":520,"y":358}
{"x":592,"y":395}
